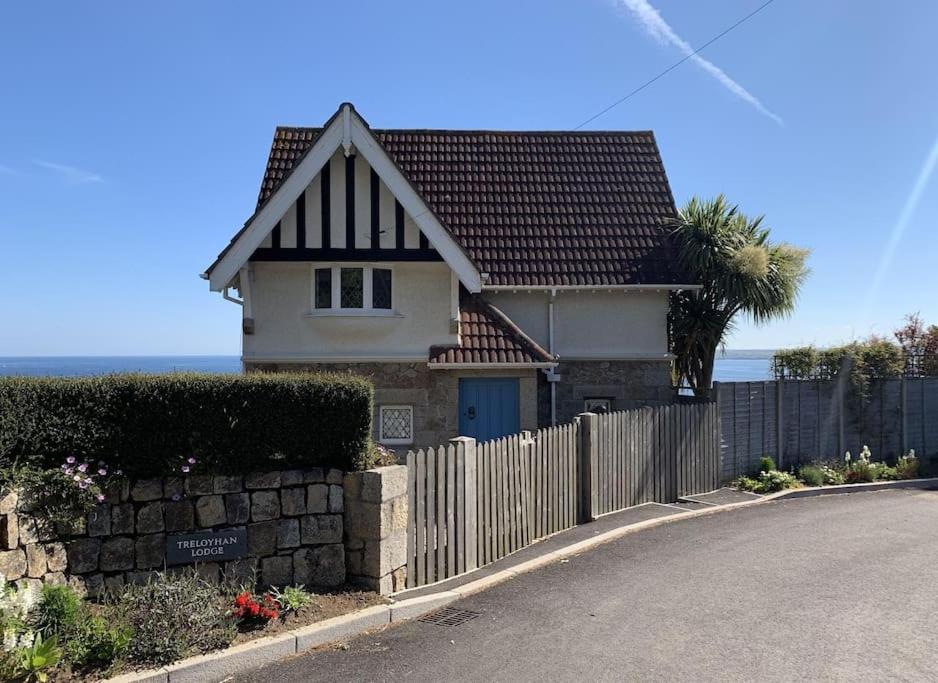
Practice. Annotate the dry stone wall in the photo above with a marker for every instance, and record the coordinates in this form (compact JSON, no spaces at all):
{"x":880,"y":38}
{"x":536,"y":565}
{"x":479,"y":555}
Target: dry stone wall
{"x":293,"y":522}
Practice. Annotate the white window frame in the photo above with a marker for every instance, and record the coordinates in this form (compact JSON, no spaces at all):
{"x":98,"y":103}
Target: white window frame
{"x":395,"y":442}
{"x":367,"y":292}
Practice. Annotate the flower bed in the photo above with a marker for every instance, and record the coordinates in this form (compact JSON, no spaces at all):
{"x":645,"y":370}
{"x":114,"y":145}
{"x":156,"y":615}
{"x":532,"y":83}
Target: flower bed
{"x":850,"y":470}
{"x":50,"y":633}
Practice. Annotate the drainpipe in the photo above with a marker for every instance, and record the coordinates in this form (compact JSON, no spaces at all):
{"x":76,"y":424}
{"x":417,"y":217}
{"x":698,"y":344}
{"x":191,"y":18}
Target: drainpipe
{"x":551,"y":373}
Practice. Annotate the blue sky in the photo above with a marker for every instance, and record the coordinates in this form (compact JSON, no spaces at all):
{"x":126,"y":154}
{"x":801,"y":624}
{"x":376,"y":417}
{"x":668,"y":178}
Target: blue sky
{"x":133,"y":137}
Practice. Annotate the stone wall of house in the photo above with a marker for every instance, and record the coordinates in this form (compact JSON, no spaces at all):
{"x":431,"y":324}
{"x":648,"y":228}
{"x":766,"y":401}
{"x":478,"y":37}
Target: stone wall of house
{"x":376,"y":528}
{"x":434,"y":394}
{"x":628,"y":383}
{"x":293,"y":519}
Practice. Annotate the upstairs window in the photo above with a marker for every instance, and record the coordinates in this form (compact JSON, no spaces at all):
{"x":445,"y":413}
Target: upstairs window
{"x":352,"y":289}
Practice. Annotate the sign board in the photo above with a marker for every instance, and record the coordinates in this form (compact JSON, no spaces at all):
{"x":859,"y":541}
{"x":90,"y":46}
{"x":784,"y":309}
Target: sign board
{"x":207,"y":546}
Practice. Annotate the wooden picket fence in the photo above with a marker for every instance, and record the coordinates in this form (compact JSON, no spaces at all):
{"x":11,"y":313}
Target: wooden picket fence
{"x":474,"y":503}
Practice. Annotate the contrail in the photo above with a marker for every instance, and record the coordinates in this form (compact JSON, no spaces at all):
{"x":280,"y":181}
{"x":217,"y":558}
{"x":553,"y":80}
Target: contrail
{"x":661,"y":31}
{"x":908,"y":210}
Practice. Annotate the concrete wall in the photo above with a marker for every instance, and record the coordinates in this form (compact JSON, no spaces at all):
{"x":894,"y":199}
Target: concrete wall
{"x":606,"y":325}
{"x":293,"y":519}
{"x":282,"y":299}
{"x":433,"y":393}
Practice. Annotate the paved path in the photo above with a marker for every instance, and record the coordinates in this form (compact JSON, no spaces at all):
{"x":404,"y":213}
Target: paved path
{"x":838,"y":587}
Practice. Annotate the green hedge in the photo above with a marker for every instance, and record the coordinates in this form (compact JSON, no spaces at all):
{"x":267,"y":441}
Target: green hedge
{"x":146,"y":424}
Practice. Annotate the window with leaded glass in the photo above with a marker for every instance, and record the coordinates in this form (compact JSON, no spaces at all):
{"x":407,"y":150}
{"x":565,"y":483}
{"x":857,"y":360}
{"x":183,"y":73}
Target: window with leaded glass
{"x":396,"y":424}
{"x":381,"y":288}
{"x":324,"y":288}
{"x":352,"y":295}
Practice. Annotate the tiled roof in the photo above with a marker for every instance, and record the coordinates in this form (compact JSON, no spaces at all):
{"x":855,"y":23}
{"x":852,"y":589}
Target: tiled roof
{"x":533,"y":208}
{"x":488,"y":336}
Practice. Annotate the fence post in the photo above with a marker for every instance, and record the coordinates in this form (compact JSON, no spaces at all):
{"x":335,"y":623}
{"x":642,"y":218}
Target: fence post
{"x":903,"y":416}
{"x":467,"y":526}
{"x":588,"y":459}
{"x":780,"y":415}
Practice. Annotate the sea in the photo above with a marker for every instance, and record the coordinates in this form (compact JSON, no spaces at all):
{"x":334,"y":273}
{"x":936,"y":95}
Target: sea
{"x":731,"y":366}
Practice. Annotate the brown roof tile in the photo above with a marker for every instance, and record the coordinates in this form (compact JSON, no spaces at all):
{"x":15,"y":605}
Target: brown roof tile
{"x":533,"y":208}
{"x":488,"y":336}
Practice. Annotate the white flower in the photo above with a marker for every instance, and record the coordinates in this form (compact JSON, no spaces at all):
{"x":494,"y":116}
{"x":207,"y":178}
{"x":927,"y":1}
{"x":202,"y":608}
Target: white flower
{"x":9,"y":639}
{"x":847,"y":457}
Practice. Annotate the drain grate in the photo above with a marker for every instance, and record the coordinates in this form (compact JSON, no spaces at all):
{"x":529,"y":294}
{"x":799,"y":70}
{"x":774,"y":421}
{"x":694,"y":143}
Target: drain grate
{"x":449,"y":616}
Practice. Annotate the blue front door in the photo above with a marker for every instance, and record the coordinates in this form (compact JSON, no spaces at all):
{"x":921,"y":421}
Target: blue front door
{"x":488,"y":407}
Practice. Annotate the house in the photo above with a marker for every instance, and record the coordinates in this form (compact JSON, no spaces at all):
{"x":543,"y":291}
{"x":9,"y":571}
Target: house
{"x":487,"y":282}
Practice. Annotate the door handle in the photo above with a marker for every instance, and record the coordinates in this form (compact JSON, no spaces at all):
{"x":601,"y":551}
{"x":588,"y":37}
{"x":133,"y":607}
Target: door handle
{"x":472,"y":412}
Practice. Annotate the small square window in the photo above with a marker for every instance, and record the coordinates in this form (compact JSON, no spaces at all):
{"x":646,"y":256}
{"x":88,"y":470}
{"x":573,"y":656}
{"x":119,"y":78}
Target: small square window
{"x":597,"y":405}
{"x":381,"y":288}
{"x":324,"y":288}
{"x":351,"y":292}
{"x":396,"y":425}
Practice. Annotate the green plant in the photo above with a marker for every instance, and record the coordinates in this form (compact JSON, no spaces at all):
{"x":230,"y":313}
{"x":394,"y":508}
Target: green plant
{"x":767,"y":482}
{"x":86,"y":637}
{"x":739,"y":271}
{"x":797,"y":363}
{"x":292,"y":597}
{"x":812,"y":475}
{"x":907,"y":466}
{"x":174,"y":615}
{"x":147,"y":425}
{"x":58,"y":610}
{"x":832,"y":476}
{"x":766,"y":464}
{"x":34,"y":661}
{"x":859,"y":470}
{"x":746,"y":484}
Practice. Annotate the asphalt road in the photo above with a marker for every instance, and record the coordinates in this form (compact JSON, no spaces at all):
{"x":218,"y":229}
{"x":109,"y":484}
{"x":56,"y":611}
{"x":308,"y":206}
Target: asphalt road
{"x":832,"y":588}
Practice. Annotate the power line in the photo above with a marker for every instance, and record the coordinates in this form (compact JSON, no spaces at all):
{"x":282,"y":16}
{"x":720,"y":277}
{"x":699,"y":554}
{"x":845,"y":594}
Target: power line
{"x":675,"y":65}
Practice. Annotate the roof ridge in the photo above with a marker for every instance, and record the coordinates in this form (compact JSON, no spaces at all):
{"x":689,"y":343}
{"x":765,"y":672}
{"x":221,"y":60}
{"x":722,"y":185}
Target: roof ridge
{"x":493,"y":131}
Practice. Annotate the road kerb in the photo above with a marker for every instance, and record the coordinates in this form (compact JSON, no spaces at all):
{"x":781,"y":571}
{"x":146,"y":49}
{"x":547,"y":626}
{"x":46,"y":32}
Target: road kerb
{"x":343,"y":626}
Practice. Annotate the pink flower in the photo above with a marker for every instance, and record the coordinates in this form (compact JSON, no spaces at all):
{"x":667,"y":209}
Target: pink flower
{"x":68,"y":471}
{"x":100,"y":497}
{"x":83,"y":467}
{"x":102,"y":471}
{"x":177,"y":497}
{"x":70,"y":460}
{"x":185,"y":468}
{"x":191,"y":461}
{"x":83,"y":485}
{"x":88,"y":480}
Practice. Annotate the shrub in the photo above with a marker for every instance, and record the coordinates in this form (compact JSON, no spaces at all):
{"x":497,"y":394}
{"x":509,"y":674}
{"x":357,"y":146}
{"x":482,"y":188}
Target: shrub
{"x":766,"y":464}
{"x":59,"y":495}
{"x":175,"y":615}
{"x":907,"y":466}
{"x":747,"y":484}
{"x":58,"y":610}
{"x":767,"y":482}
{"x":812,"y":475}
{"x":144,"y":424}
{"x":832,"y":477}
{"x":85,"y":637}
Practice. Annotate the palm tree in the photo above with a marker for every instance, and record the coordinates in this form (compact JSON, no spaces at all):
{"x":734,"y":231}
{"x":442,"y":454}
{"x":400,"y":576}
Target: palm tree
{"x":740,"y":271}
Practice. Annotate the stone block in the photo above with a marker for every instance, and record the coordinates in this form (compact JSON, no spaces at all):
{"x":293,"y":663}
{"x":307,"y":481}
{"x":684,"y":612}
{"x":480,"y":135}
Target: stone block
{"x":13,"y":563}
{"x":238,"y":507}
{"x":277,"y":571}
{"x":393,"y":516}
{"x":9,"y":531}
{"x":138,"y":578}
{"x":150,"y":518}
{"x":352,"y":483}
{"x":334,"y":476}
{"x":321,"y":529}
{"x":291,"y":478}
{"x":363,"y":520}
{"x":317,"y":498}
{"x":384,"y":483}
{"x":77,"y":526}
{"x":32,"y":584}
{"x":54,"y":579}
{"x":293,"y":501}
{"x":265,"y":505}
{"x":36,"y":565}
{"x":320,"y":566}
{"x":199,"y":485}
{"x":210,"y":511}
{"x":174,"y":488}
{"x":228,"y":484}
{"x":288,"y":533}
{"x":99,"y":520}
{"x":29,"y":529}
{"x":117,"y":554}
{"x":147,"y":489}
{"x":336,"y":501}
{"x":117,"y":491}
{"x":122,"y":519}
{"x":83,"y":555}
{"x":240,"y":571}
{"x":314,"y":475}
{"x":150,"y":551}
{"x":353,"y":562}
{"x":56,"y":557}
{"x":209,"y":571}
{"x":262,"y":538}
{"x":113,"y":584}
{"x":262,"y":480}
{"x":94,"y":585}
{"x":8,"y":502}
{"x":179,"y":515}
